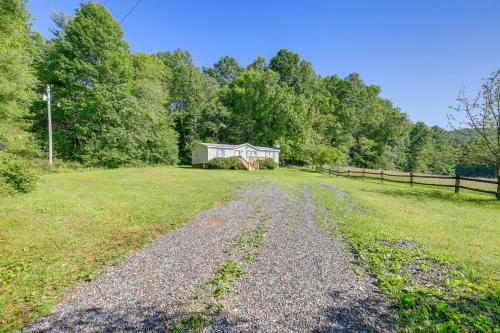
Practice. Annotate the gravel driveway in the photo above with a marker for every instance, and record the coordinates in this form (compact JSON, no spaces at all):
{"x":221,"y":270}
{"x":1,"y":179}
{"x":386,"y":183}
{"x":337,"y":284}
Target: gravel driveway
{"x":301,"y":280}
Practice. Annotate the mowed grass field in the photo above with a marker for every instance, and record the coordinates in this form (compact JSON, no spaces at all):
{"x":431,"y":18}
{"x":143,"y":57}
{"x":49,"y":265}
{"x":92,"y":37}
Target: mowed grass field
{"x":79,"y":222}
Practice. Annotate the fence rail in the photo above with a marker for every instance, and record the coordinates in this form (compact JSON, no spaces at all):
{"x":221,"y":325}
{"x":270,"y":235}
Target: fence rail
{"x":382,"y":175}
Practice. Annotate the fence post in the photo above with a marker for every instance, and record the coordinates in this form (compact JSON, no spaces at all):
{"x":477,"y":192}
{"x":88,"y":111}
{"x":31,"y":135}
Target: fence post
{"x":411,"y":179}
{"x":338,"y":171}
{"x":381,"y":176}
{"x":457,"y":183}
{"x":348,"y":172}
{"x":363,"y":177}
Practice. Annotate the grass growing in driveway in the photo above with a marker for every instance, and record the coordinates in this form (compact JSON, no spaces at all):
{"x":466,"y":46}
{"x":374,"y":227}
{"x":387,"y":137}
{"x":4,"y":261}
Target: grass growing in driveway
{"x":78,"y":222}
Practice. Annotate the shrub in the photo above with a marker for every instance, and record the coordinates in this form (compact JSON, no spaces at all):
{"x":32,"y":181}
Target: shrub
{"x":233,"y":163}
{"x":16,"y":176}
{"x":217,"y":163}
{"x":268,"y":163}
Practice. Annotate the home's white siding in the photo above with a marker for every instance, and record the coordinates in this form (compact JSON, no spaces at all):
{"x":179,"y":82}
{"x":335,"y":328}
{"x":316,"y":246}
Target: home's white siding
{"x":199,"y":155}
{"x":229,"y":152}
{"x":203,"y":154}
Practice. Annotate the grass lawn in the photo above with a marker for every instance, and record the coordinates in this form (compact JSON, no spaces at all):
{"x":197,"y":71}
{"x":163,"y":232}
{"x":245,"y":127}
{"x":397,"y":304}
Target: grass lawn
{"x":78,"y":222}
{"x":464,"y":227}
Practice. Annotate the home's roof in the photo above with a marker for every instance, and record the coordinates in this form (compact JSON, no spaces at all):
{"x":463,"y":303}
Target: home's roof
{"x":223,"y":145}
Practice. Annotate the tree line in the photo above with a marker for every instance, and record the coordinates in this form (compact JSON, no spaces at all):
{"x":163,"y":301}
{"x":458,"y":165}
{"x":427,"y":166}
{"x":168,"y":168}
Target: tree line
{"x":112,"y":107}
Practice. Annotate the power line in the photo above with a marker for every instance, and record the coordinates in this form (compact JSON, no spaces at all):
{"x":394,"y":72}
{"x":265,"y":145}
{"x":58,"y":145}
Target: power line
{"x":130,"y":11}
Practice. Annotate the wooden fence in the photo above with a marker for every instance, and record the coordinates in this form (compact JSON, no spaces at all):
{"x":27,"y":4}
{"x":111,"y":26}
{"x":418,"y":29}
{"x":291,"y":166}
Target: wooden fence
{"x":457,"y":182}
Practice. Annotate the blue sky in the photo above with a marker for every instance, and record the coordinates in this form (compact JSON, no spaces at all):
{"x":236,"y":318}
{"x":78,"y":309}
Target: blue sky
{"x":420,"y":52}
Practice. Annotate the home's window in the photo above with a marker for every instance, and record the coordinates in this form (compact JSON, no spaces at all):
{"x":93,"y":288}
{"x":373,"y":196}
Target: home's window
{"x":220,"y":152}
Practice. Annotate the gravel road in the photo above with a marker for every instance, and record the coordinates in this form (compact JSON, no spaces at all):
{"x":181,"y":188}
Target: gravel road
{"x":301,"y":280}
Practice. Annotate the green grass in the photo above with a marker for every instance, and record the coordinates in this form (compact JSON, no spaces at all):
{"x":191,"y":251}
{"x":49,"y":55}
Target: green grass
{"x":78,"y":222}
{"x":463,"y":227}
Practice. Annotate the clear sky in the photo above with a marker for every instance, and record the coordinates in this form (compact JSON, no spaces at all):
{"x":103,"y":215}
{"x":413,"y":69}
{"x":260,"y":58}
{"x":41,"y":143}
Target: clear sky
{"x":421,"y":52}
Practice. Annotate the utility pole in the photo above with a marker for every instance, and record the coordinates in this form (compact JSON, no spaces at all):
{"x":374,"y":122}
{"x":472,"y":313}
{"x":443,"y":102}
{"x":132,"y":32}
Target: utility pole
{"x":49,"y":118}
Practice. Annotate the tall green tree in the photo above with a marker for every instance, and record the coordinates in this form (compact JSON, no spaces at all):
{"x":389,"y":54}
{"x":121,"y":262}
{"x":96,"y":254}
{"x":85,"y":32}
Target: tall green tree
{"x":266,"y":113}
{"x":224,"y":71}
{"x":419,"y":148}
{"x":97,"y":118}
{"x":370,"y":127}
{"x":17,"y":52}
{"x":294,"y":72}
{"x":18,"y":49}
{"x":158,"y":139}
{"x":193,"y":103}
{"x":443,"y":155}
{"x":258,"y":64}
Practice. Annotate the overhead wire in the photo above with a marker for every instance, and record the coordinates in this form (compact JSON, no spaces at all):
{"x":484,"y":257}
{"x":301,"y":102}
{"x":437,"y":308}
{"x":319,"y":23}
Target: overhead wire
{"x":130,"y":11}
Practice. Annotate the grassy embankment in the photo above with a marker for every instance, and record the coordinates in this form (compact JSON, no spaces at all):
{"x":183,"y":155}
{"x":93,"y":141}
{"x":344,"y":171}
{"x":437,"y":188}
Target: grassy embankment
{"x":77,"y":223}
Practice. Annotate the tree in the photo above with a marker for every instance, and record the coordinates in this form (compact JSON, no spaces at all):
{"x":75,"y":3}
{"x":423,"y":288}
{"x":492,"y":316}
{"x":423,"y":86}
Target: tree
{"x":482,"y":113}
{"x":286,"y":64}
{"x":17,"y":82}
{"x":443,"y":155}
{"x":370,"y":127}
{"x":265,"y":113}
{"x":193,"y":102}
{"x":328,"y":155}
{"x":419,"y":148}
{"x":158,"y":139}
{"x":258,"y":64}
{"x":224,"y":71}
{"x":293,"y":71}
{"x":100,"y":115}
{"x":364,"y":153}
{"x":18,"y":49}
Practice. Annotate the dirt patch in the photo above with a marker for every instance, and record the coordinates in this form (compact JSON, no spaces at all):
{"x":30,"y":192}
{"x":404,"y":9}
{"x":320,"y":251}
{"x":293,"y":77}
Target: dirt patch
{"x":218,"y":204}
{"x":213,"y":221}
{"x":125,"y":234}
{"x":24,"y":311}
{"x":155,"y":233}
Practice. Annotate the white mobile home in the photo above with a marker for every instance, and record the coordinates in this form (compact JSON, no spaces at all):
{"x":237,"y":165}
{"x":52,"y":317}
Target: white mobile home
{"x":248,"y":153}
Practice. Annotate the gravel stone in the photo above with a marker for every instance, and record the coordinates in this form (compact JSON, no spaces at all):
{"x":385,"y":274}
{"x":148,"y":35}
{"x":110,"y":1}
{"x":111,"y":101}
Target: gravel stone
{"x":301,"y":280}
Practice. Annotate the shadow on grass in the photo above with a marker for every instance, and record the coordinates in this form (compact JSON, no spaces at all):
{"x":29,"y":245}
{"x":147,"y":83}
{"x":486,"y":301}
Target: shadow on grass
{"x":421,"y":191}
{"x":435,"y":194}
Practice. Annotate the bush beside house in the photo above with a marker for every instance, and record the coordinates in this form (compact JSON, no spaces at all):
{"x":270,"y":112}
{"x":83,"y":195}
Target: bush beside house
{"x":268,"y":163}
{"x":232,"y":163}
